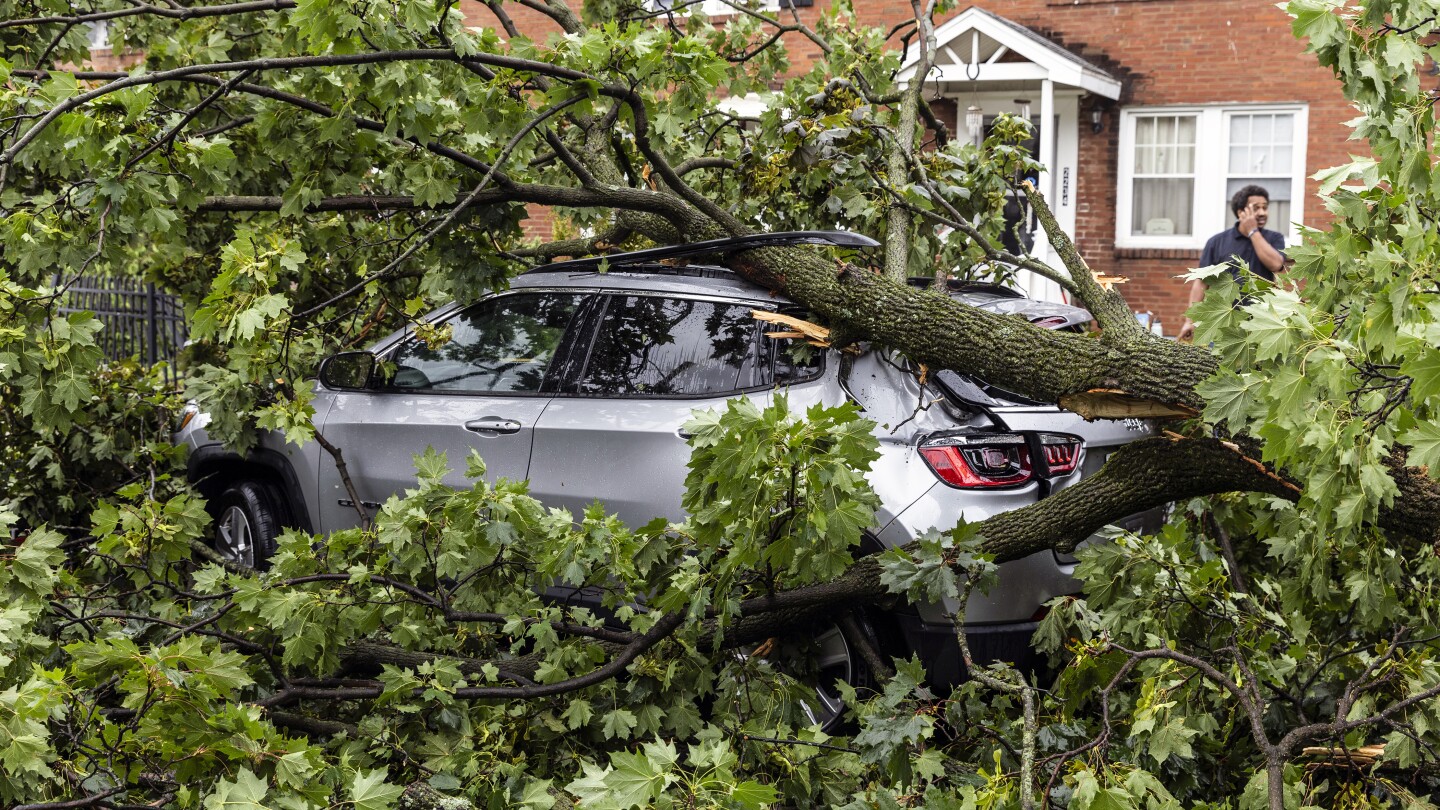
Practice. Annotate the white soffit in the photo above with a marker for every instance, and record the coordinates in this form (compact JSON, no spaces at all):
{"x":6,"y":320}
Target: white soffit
{"x":976,"y":40}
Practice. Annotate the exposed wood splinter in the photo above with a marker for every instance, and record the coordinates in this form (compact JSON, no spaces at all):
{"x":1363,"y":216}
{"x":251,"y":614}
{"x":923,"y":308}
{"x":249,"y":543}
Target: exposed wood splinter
{"x":1336,"y":756}
{"x":814,"y":334}
{"x":1110,"y":403}
{"x":1108,"y":283}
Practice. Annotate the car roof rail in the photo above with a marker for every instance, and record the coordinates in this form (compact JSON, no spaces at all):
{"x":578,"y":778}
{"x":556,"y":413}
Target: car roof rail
{"x":651,"y":256}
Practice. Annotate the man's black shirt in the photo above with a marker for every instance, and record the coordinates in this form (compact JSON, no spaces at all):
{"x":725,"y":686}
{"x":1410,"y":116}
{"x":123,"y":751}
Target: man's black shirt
{"x":1230,"y":242}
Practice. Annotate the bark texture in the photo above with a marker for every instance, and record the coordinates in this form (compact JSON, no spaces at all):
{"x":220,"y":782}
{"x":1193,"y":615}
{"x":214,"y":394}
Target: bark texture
{"x":1416,"y":510}
{"x":940,"y":332}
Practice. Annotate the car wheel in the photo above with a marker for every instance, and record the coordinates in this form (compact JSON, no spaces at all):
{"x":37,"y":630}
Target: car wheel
{"x":248,"y":518}
{"x":808,"y":666}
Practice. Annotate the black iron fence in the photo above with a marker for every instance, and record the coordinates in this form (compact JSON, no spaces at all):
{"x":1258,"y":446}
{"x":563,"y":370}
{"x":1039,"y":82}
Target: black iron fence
{"x":140,"y":321}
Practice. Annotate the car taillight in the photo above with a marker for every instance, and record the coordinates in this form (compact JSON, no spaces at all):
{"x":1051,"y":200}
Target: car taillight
{"x":979,"y":461}
{"x":1062,"y":453}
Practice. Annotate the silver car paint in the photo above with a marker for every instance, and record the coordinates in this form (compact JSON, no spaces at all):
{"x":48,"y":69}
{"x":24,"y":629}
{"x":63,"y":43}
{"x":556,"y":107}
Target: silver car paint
{"x":628,"y":453}
{"x":381,"y":432}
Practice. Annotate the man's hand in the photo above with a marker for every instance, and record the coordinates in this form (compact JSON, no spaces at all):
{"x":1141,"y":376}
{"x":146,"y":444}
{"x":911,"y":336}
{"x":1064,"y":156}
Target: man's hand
{"x":1248,"y":222}
{"x":1197,"y":294}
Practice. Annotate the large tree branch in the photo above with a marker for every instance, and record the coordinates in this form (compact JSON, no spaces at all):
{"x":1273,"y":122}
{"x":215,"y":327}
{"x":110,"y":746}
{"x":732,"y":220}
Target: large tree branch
{"x":633,"y":199}
{"x":297,"y":62}
{"x":1141,"y":475}
{"x":1416,"y":510}
{"x":301,"y":102}
{"x":1108,"y":306}
{"x":146,"y":9}
{"x":445,"y":221}
{"x":898,"y":219}
{"x":1146,"y":376}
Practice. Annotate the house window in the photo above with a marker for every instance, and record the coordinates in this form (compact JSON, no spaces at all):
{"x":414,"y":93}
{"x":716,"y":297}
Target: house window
{"x":1164,"y":185}
{"x":1179,"y":167}
{"x":1261,"y":153}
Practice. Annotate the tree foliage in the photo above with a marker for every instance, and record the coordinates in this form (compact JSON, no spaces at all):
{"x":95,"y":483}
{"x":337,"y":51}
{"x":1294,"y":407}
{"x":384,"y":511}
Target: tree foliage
{"x":311,"y":174}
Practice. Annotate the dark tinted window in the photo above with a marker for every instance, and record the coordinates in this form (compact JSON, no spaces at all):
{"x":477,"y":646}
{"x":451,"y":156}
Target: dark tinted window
{"x":502,"y":344}
{"x":792,"y":359}
{"x":651,"y":346}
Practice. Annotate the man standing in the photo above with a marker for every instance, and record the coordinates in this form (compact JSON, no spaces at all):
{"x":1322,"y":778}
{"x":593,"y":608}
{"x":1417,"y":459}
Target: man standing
{"x":1261,"y":250}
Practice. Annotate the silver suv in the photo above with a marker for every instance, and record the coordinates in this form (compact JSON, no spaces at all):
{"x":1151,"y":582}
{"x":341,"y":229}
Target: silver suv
{"x":579,"y":378}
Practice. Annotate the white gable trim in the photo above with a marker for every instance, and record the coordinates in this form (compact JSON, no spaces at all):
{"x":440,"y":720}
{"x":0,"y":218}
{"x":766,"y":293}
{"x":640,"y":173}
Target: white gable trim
{"x":970,"y":42}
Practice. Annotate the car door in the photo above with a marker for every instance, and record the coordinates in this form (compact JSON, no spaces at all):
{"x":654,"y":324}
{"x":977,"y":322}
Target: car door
{"x":481,"y":387}
{"x":613,"y":432}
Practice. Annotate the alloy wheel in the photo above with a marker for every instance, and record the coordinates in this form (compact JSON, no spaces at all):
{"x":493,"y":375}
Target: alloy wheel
{"x":234,"y":538}
{"x":814,"y":663}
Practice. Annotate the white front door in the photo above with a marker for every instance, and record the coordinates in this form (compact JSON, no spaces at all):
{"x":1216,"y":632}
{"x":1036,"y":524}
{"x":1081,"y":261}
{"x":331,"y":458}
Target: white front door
{"x":1057,"y":184}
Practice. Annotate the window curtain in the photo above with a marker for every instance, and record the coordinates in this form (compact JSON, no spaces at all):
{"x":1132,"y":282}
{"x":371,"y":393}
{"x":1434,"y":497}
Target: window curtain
{"x":1163,"y":195}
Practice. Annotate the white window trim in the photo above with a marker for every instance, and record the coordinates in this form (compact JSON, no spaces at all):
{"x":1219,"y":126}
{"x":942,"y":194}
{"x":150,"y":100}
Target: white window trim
{"x":1211,"y":150}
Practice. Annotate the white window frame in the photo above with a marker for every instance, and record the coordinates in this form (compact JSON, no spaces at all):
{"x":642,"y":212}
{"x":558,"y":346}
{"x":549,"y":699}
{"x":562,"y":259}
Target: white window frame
{"x":1212,"y":150}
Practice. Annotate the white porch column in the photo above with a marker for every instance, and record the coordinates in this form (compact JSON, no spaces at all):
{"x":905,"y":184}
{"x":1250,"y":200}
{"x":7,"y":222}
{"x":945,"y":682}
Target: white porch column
{"x":1047,"y":138}
{"x":1038,"y":286}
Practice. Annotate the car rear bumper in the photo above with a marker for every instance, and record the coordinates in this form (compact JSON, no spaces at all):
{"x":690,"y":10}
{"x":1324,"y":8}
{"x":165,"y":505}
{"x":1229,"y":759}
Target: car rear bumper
{"x":939,"y":650}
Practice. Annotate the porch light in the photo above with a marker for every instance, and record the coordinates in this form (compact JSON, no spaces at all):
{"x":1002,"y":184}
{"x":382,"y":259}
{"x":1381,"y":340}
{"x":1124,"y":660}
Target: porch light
{"x":1024,"y":105}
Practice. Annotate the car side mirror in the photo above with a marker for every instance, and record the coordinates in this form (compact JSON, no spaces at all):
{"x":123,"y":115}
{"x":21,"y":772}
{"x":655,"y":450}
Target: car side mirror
{"x":348,"y":371}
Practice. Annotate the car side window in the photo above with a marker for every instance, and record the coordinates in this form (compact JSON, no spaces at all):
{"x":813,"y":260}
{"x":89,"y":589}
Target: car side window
{"x":656,"y":346}
{"x":793,"y":359}
{"x":504,"y":344}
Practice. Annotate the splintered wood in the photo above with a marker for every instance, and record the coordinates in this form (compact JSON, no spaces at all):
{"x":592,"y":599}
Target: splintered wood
{"x":814,"y":334}
{"x":1107,"y":282}
{"x":1105,"y":403}
{"x":1326,"y":756}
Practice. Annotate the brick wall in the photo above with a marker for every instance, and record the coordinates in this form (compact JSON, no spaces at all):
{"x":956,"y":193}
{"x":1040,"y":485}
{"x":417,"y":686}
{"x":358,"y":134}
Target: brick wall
{"x":108,"y":59}
{"x":1165,"y":52}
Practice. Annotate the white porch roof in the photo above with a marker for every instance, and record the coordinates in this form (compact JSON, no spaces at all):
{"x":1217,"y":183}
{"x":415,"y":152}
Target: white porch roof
{"x":977,"y":46}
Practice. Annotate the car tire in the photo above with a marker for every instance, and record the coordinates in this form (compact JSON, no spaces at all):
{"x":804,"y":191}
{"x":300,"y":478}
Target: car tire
{"x":249,"y":516}
{"x":816,"y":659}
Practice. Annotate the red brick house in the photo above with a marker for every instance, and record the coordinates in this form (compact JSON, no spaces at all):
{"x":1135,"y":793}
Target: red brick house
{"x":1149,"y":114}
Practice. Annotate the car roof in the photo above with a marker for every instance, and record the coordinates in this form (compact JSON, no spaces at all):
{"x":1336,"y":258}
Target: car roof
{"x":709,"y":247}
{"x":688,"y":280}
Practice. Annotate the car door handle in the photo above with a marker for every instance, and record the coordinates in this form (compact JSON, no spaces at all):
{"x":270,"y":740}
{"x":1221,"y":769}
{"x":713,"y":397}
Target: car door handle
{"x":684,"y":434}
{"x":493,"y":426}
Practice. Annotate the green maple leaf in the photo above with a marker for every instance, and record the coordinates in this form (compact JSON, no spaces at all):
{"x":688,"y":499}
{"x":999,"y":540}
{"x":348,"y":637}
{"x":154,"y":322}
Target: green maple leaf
{"x":370,"y":791}
{"x":591,"y":788}
{"x":247,"y":792}
{"x":754,"y":796}
{"x":636,"y":779}
{"x":618,"y":723}
{"x":1424,"y":442}
{"x":1424,"y":370}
